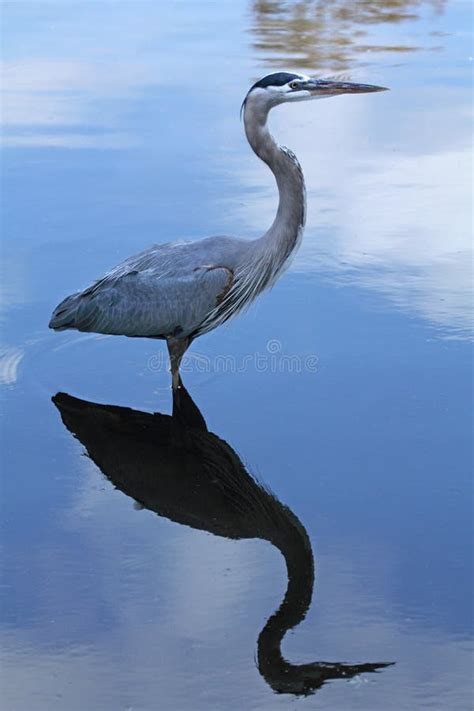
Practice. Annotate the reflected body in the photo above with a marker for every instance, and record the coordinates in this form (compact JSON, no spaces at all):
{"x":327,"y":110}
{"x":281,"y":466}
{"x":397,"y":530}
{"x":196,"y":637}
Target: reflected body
{"x":180,"y":291}
{"x":174,"y":466}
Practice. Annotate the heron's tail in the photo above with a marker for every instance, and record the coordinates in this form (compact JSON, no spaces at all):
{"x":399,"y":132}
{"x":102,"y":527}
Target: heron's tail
{"x":64,"y":315}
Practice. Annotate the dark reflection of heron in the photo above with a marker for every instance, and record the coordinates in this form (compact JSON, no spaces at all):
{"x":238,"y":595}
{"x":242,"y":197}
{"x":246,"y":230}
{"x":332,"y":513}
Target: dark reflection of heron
{"x":174,"y":466}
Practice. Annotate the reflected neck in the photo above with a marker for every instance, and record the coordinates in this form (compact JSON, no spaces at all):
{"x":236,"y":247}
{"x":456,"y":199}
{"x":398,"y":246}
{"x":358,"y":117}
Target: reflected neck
{"x":298,"y":555}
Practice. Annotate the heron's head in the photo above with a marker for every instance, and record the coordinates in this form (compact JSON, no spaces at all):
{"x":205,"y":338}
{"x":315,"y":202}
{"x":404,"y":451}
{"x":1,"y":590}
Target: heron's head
{"x":284,"y":87}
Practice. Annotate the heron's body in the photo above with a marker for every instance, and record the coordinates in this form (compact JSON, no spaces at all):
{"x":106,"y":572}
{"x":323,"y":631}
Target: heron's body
{"x":180,"y":291}
{"x":166,"y":291}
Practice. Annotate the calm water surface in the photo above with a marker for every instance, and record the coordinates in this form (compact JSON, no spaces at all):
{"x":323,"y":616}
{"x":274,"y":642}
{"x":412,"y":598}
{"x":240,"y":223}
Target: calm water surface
{"x":345,"y":390}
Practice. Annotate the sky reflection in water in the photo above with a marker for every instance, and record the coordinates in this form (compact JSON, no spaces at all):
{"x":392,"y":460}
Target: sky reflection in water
{"x":113,"y":122}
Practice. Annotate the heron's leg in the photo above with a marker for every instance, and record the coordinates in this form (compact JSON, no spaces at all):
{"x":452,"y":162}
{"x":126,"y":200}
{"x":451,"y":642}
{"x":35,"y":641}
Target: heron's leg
{"x":176,"y":349}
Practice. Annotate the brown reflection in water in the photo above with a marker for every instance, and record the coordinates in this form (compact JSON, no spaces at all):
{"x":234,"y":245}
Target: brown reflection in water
{"x":328,"y":35}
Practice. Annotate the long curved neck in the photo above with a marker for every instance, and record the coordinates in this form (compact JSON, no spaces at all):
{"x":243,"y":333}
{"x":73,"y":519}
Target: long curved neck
{"x":282,"y":238}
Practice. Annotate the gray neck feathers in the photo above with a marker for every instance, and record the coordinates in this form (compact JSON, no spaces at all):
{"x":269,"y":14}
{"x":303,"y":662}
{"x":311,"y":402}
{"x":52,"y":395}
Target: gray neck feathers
{"x":281,"y":240}
{"x":270,"y":254}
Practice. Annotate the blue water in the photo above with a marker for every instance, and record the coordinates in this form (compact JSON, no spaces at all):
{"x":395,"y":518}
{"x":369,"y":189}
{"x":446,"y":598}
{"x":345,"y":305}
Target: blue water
{"x":346,"y":389}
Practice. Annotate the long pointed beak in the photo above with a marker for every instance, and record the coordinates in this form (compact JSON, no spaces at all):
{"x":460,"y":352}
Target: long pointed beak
{"x":322,"y":87}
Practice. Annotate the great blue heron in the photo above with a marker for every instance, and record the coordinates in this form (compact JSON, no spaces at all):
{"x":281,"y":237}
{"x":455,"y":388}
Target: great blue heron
{"x":175,"y":467}
{"x":180,"y":291}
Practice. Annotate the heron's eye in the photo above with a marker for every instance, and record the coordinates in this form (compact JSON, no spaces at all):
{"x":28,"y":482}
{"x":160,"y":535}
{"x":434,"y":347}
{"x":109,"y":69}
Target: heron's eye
{"x":293,"y":84}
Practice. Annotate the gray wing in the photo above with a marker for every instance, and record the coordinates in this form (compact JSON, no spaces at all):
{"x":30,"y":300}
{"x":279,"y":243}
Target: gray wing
{"x":166,"y":290}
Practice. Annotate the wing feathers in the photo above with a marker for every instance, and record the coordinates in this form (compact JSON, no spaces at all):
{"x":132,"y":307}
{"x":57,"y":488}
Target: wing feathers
{"x":137,"y":303}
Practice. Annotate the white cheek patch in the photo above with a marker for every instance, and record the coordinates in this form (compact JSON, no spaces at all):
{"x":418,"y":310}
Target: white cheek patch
{"x":298,"y":95}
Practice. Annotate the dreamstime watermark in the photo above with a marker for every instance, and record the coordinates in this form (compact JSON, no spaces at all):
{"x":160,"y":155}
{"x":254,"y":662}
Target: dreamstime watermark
{"x":272,"y":360}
